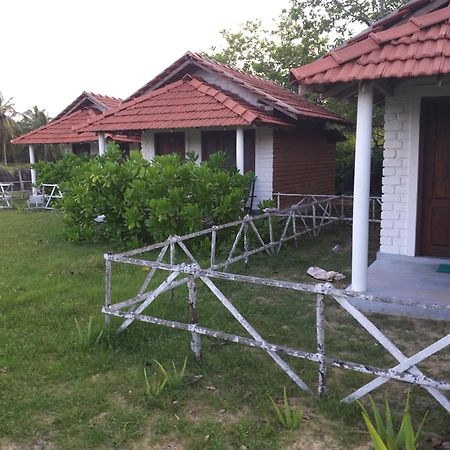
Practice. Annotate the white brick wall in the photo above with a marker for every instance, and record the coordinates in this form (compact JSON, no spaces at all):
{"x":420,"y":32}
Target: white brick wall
{"x":396,"y":176}
{"x":263,"y":164}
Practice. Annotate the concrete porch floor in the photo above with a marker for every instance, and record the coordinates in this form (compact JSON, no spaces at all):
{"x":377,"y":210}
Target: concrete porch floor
{"x":408,"y":278}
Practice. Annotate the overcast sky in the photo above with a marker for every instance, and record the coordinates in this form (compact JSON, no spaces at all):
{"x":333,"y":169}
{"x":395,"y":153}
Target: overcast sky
{"x":52,"y":50}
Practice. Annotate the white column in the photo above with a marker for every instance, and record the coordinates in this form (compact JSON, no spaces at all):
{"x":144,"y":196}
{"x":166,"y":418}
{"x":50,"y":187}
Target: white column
{"x":240,"y":149}
{"x":361,"y":191}
{"x":101,"y":144}
{"x":33,"y":171}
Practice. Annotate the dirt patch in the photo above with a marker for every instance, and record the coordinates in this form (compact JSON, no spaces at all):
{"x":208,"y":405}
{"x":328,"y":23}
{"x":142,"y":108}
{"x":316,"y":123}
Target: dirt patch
{"x":313,"y":435}
{"x":41,"y":444}
{"x":196,"y":412}
{"x":166,"y":445}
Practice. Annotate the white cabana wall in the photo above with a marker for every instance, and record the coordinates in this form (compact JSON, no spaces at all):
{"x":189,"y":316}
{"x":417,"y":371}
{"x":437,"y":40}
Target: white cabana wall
{"x":401,"y":163}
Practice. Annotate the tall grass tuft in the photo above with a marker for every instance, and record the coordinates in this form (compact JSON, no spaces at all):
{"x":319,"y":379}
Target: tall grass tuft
{"x":288,"y":417}
{"x":382,"y":432}
{"x":88,"y":337}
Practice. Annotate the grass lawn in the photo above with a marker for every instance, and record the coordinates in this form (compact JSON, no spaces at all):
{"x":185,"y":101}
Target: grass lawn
{"x":57,"y":394}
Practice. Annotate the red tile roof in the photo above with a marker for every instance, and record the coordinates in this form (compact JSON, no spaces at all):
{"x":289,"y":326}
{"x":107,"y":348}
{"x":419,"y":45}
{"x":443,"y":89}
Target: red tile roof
{"x":419,"y":47}
{"x":185,"y":103}
{"x":62,"y":129}
{"x":269,"y":92}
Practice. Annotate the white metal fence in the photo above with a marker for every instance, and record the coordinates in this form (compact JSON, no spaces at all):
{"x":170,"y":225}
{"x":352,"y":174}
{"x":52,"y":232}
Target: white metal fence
{"x":249,"y":236}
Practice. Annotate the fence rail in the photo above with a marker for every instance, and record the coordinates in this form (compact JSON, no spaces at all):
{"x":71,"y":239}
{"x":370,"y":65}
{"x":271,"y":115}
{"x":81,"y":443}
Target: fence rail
{"x":246,"y":237}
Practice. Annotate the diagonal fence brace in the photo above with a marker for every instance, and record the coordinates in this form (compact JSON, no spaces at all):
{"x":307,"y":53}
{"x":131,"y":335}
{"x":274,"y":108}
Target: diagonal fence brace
{"x":240,"y":318}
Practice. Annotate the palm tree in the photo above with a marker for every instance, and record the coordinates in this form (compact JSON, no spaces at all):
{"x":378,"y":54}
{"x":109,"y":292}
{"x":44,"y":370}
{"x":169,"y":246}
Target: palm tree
{"x":34,"y":118}
{"x":7,"y":123}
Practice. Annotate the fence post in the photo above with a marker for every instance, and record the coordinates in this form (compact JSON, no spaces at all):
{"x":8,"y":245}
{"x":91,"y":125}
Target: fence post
{"x":107,"y":287}
{"x":294,"y":229}
{"x":314,"y":219}
{"x":213,"y":245}
{"x":195,"y":342}
{"x":321,"y":344}
{"x":272,"y":248}
{"x":246,"y":244}
{"x":172,"y":263}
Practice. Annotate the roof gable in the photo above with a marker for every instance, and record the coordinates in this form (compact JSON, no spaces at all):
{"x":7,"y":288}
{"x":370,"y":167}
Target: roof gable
{"x":264,"y":91}
{"x":88,"y":99}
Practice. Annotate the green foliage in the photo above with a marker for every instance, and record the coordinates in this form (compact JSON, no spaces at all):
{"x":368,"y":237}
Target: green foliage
{"x":61,"y":171}
{"x":154,"y":384}
{"x":266,"y":204}
{"x":303,"y":32}
{"x":88,"y":337}
{"x":288,"y":417}
{"x":345,"y":166}
{"x":142,"y":201}
{"x":382,"y":432}
{"x":173,"y":376}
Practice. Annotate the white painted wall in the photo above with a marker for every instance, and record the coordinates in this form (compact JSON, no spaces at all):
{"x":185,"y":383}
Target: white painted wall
{"x":263,"y":164}
{"x":401,"y":164}
{"x":193,"y":142}
{"x":148,"y":145}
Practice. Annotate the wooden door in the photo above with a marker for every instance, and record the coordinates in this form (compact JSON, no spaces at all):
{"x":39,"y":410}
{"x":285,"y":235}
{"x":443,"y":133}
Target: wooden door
{"x":167,"y":143}
{"x":433,"y":237}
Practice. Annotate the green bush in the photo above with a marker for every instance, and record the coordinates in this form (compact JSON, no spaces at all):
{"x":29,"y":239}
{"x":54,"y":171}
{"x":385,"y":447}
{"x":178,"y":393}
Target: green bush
{"x":61,"y":171}
{"x":145,"y":201}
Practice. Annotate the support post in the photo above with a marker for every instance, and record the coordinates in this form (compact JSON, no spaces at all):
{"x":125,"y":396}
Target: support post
{"x":107,"y":288}
{"x":361,"y":191}
{"x":240,"y":150}
{"x":246,"y":244}
{"x":195,"y":342}
{"x":101,"y":144}
{"x":33,"y":171}
{"x":172,"y":263}
{"x":321,"y":344}
{"x":213,"y":245}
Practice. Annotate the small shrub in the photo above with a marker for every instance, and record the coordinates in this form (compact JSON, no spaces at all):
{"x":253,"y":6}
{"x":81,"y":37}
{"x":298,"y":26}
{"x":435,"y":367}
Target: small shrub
{"x":288,"y":417}
{"x":382,"y":432}
{"x":88,"y":337}
{"x":154,"y":385}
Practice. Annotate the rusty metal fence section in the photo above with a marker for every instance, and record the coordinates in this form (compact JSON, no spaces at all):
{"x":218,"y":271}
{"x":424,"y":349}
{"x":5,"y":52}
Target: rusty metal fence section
{"x":244,"y":238}
{"x":338,"y":206}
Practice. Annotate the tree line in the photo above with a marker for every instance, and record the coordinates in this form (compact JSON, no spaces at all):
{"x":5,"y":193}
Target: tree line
{"x":13,"y":124}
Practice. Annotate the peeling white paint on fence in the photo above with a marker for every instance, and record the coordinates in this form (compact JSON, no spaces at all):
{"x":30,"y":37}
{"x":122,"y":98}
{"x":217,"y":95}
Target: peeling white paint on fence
{"x":309,"y":216}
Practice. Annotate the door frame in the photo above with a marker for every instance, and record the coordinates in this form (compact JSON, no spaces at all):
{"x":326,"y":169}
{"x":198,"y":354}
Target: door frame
{"x":421,"y":176}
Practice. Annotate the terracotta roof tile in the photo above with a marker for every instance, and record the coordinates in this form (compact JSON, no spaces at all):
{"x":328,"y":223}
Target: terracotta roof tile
{"x":268,"y":91}
{"x":185,"y":103}
{"x":63,"y":130}
{"x":420,"y":47}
